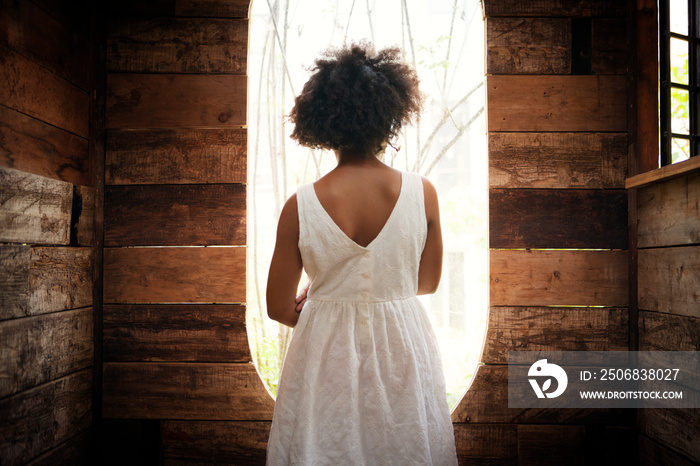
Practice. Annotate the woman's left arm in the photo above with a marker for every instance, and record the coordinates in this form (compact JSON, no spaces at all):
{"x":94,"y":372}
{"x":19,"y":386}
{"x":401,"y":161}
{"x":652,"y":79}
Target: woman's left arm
{"x":285,"y":268}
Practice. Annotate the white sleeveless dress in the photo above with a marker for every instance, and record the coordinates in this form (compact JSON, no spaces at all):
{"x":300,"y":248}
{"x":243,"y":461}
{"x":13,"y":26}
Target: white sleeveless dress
{"x":362,"y":382}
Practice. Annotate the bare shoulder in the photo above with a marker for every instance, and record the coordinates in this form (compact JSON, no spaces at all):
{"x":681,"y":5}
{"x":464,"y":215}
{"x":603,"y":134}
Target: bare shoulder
{"x":432,"y":207}
{"x":289,"y":217}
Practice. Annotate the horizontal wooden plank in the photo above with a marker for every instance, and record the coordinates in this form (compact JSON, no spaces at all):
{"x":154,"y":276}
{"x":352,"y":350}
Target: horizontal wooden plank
{"x":675,"y":170}
{"x":215,"y":442}
{"x":567,"y":218}
{"x":538,"y":445}
{"x":58,"y":47}
{"x":175,"y":332}
{"x":652,"y":453}
{"x":190,"y":8}
{"x":36,"y":420}
{"x":566,"y":278}
{"x":76,"y":451}
{"x":84,"y":220}
{"x":557,"y":160}
{"x":669,"y":280}
{"x":42,"y":348}
{"x":486,"y":443}
{"x":36,"y":91}
{"x":557,"y":103}
{"x":175,"y":215}
{"x":175,"y":275}
{"x":176,"y":156}
{"x":609,"y":46}
{"x":39,"y":280}
{"x":668,"y":332}
{"x":30,"y":145}
{"x":677,"y":429}
{"x":486,"y":401}
{"x":528,"y":45}
{"x":553,"y":329}
{"x":34,"y":209}
{"x":669,"y":213}
{"x":203,"y":391}
{"x":156,"y":45}
{"x":555,"y":8}
{"x":169,"y":100}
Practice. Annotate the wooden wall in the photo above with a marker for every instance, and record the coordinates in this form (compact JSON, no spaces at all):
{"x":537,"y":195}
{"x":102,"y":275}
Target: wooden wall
{"x":179,"y":383}
{"x":48,"y":125}
{"x":557,"y":136}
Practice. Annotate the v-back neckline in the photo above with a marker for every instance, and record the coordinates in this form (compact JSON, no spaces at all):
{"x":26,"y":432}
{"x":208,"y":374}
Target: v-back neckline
{"x":384,"y":227}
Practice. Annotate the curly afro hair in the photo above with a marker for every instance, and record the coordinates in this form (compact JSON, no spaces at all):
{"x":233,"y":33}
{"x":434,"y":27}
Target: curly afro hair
{"x":356,"y":99}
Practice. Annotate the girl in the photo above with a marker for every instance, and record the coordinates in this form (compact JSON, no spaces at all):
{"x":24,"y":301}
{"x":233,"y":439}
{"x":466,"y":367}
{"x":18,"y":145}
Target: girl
{"x":362,"y":381}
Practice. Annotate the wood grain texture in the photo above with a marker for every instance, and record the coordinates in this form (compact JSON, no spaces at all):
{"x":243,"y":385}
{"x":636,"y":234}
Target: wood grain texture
{"x":173,"y":332}
{"x":30,"y":145}
{"x":156,"y":45}
{"x":175,"y":275}
{"x":76,"y":451}
{"x":538,"y":445}
{"x":36,"y":420}
{"x":217,"y":442}
{"x":487,"y":444}
{"x":669,"y":213}
{"x":36,"y":91}
{"x":15,"y":292}
{"x":557,"y":160}
{"x":39,"y":349}
{"x":547,"y":218}
{"x":190,"y":8}
{"x":609,"y":46}
{"x":176,"y":156}
{"x":557,"y":103}
{"x":86,"y":218}
{"x":528,"y":45}
{"x":57,"y":47}
{"x":200,"y":391}
{"x":486,"y":401}
{"x":553,"y":329}
{"x":168,"y":100}
{"x":555,"y":8}
{"x":34,"y":209}
{"x":566,"y":278}
{"x":175,"y":215}
{"x":652,"y":453}
{"x":677,"y":429}
{"x":669,"y":280}
{"x":668,"y":332}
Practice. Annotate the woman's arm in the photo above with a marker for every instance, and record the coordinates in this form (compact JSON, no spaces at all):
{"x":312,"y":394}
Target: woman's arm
{"x":431,"y":259}
{"x":285,"y":268}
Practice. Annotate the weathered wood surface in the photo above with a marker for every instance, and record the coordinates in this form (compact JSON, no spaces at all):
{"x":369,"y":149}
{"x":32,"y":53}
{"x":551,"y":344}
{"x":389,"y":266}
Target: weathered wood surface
{"x":32,"y":146}
{"x":557,"y":160}
{"x":609,"y":46}
{"x":203,"y":391}
{"x":175,"y":332}
{"x":554,"y":8}
{"x":669,"y":213}
{"x":36,"y":420}
{"x":538,"y":445}
{"x":557,"y":103}
{"x":38,"y":280}
{"x":76,"y":451}
{"x":486,"y":401}
{"x":175,"y":275}
{"x":190,"y":8}
{"x":85,"y":198}
{"x":217,"y":442}
{"x":486,"y":444}
{"x":664,"y":174}
{"x":175,"y":215}
{"x":528,"y":45}
{"x":677,"y":429}
{"x":34,"y":33}
{"x":652,"y":453}
{"x":156,"y":45}
{"x":39,"y":349}
{"x":547,"y":218}
{"x":566,"y":278}
{"x":669,"y":280}
{"x":168,"y":100}
{"x":34,"y":209}
{"x":553,"y":329}
{"x":36,"y":91}
{"x":176,"y":156}
{"x":668,"y":332}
